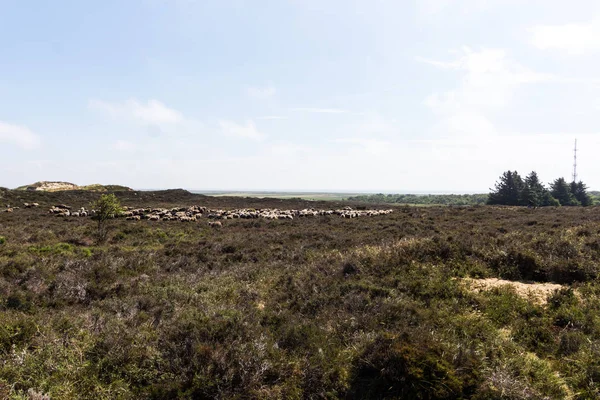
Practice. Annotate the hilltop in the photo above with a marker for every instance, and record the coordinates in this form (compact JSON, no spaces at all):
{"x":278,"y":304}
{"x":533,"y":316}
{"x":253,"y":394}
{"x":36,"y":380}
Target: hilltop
{"x":57,"y":186}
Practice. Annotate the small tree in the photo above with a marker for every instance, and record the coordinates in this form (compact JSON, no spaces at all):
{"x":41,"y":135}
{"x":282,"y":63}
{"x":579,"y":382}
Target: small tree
{"x":548,"y":200}
{"x":106,"y":207}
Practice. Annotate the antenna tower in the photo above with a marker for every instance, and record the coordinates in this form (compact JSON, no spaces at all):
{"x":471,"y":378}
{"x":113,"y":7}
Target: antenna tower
{"x":575,"y":162}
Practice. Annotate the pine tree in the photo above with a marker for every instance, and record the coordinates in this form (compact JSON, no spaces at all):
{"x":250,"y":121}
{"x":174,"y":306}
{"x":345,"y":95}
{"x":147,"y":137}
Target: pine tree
{"x":548,"y":200}
{"x":508,"y":190}
{"x":579,"y":191}
{"x":561,"y":191}
{"x":534,"y":191}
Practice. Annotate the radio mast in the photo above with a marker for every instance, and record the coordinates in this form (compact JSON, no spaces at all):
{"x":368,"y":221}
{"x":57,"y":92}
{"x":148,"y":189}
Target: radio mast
{"x":575,"y":162}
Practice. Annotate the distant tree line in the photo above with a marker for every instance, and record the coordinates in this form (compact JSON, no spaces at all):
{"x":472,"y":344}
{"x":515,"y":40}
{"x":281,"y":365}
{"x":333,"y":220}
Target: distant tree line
{"x":512,"y":190}
{"x":425,"y":199}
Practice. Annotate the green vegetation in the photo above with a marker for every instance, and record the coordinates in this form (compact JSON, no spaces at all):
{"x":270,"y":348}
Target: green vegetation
{"x":512,"y":190}
{"x":425,"y":199}
{"x":105,"y":188}
{"x":105,"y":208}
{"x":319,"y":307}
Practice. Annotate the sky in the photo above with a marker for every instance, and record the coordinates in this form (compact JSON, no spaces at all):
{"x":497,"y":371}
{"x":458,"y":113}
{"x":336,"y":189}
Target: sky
{"x":298,"y":95}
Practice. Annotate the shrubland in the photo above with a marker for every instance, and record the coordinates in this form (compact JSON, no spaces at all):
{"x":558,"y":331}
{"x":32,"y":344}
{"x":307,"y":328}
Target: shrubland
{"x":424,"y":199}
{"x":318,"y":307}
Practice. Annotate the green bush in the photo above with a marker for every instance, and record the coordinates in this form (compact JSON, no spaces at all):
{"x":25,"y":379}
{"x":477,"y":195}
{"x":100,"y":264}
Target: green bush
{"x":394,"y":367}
{"x":56,"y":249}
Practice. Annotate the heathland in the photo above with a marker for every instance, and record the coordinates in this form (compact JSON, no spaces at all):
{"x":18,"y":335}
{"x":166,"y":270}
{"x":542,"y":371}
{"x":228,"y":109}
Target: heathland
{"x":402,"y":305}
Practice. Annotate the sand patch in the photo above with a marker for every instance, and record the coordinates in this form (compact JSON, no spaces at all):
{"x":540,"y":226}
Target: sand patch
{"x":538,"y":292}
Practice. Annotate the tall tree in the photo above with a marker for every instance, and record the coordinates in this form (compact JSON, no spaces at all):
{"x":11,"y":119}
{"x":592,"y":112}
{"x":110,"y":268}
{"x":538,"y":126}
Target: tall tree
{"x":579,"y":191}
{"x":533,"y":191}
{"x":508,"y":190}
{"x":561,"y":191}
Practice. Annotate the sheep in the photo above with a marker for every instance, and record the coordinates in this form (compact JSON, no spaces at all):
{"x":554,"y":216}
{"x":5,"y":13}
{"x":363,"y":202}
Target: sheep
{"x":194,"y":213}
{"x":215,"y":224}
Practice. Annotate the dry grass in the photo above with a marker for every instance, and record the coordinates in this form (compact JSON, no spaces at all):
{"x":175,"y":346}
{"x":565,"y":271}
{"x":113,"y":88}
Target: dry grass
{"x":319,"y":307}
{"x":537,"y":292}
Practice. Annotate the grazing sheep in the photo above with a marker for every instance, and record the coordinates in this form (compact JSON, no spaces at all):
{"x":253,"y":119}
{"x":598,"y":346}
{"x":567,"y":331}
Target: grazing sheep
{"x":215,"y":224}
{"x":194,"y":213}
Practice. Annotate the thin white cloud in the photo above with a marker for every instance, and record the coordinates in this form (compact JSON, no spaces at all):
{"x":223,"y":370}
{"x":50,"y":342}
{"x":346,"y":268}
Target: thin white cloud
{"x":152,"y":112}
{"x":246,"y":131}
{"x":524,"y":78}
{"x":432,"y":8}
{"x":261,"y":93}
{"x":489,"y":81}
{"x":272,"y":117}
{"x":19,"y":136}
{"x":370,"y":146}
{"x":285,"y":149}
{"x":373,"y":123}
{"x":320,"y":110}
{"x":124,"y":145}
{"x":467,"y":122}
{"x":573,"y":39}
{"x":439,"y":64}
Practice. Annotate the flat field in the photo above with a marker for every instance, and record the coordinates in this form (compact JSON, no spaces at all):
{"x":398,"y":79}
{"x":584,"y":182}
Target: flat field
{"x":283,"y":195}
{"x":395,"y":306}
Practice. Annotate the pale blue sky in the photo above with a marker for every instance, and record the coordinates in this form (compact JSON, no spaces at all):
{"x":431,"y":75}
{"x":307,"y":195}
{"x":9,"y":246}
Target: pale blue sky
{"x":431,"y":95}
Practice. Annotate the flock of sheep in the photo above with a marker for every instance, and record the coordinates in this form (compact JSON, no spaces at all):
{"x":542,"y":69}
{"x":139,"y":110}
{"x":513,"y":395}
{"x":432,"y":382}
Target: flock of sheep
{"x":193,"y":213}
{"x":188,"y":214}
{"x":10,"y":208}
{"x":62,"y":210}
